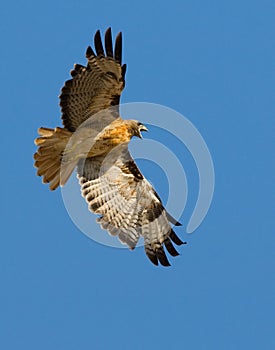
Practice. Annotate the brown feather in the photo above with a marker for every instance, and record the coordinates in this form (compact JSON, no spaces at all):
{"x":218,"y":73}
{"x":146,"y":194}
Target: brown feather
{"x":55,"y":182}
{"x":97,"y":86}
{"x":109,"y":43}
{"x":118,"y":48}
{"x":98,"y":44}
{"x":49,"y":155}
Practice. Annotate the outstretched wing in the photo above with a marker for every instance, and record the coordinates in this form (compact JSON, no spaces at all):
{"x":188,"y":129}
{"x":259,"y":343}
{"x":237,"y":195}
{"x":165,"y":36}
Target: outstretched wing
{"x":95,"y":87}
{"x":128,"y":205}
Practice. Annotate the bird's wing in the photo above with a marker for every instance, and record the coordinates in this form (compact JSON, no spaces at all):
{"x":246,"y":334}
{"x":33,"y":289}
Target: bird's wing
{"x":128,"y":205}
{"x":94,"y":87}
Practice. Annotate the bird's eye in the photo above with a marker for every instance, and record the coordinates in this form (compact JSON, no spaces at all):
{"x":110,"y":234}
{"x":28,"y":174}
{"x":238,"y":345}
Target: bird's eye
{"x":112,"y":75}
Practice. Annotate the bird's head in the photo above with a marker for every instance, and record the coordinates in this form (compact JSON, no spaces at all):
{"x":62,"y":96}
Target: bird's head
{"x":137,"y":127}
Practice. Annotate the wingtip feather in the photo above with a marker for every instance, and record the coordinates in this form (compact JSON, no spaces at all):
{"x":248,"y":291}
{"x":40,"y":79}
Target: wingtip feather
{"x":109,"y":43}
{"x":98,"y":44}
{"x":175,"y":238}
{"x":118,"y":48}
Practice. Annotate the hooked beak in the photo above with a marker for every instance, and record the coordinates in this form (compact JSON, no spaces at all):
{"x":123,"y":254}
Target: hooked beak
{"x":141,"y":128}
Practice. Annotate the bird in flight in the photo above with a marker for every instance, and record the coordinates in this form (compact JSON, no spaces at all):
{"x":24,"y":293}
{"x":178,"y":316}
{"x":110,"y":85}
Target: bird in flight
{"x":94,"y":139}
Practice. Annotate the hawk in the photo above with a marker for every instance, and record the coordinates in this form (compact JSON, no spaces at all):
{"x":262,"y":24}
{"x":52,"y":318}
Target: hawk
{"x":95,"y":140}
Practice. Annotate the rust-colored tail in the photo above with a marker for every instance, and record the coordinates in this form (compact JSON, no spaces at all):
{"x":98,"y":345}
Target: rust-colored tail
{"x":48,"y":157}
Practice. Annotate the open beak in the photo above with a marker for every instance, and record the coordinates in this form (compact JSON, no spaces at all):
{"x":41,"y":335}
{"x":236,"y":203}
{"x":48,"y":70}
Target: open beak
{"x":141,"y":128}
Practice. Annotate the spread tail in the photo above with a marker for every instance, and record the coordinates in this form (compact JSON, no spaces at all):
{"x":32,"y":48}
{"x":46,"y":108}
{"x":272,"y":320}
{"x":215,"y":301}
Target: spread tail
{"x":48,"y":158}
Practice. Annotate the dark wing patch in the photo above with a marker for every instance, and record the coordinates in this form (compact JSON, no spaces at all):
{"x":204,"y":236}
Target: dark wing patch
{"x":130,"y":167}
{"x":115,"y":189}
{"x":95,"y":87}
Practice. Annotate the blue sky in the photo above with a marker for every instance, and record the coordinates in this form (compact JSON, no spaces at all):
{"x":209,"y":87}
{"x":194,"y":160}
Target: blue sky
{"x":214,"y":63}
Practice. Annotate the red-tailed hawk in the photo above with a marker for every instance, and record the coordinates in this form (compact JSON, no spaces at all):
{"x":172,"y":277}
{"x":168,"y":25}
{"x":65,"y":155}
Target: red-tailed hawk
{"x":95,"y":140}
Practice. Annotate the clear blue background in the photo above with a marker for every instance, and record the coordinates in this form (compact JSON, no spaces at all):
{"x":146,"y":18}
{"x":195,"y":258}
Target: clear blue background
{"x":214,"y":62}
